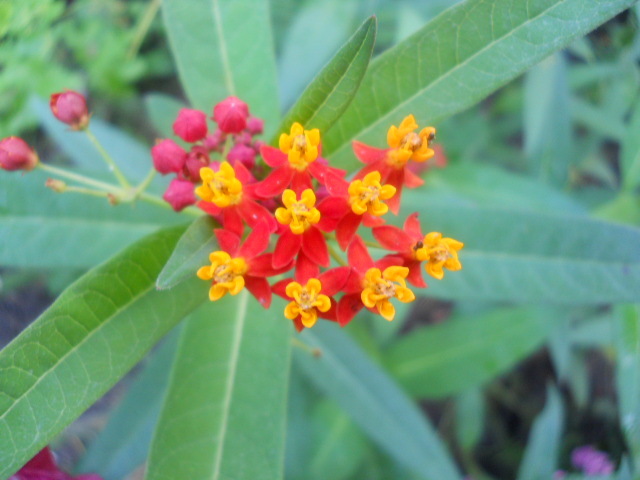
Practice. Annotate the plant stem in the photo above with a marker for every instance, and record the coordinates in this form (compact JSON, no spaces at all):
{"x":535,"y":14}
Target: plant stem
{"x":145,"y":183}
{"x":107,"y":187}
{"x":336,"y":256}
{"x":316,"y":352}
{"x":142,"y":28}
{"x":107,"y":158}
{"x":88,"y":191}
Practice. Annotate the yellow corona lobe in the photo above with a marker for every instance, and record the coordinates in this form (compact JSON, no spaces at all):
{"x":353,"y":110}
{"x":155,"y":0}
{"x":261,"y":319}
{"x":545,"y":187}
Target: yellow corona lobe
{"x":408,"y":145}
{"x":300,"y":145}
{"x":366,"y":195}
{"x":226,"y":273}
{"x":439,"y":253}
{"x":221,"y":188}
{"x":307,"y":301}
{"x":380,"y":287}
{"x":298,"y":214}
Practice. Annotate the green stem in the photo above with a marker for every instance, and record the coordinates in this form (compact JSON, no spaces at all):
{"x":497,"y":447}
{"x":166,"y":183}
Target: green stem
{"x":107,"y":187}
{"x":145,"y":183}
{"x":107,"y":158}
{"x":316,"y":352}
{"x":88,"y":191}
{"x":142,"y":28}
{"x":336,"y":256}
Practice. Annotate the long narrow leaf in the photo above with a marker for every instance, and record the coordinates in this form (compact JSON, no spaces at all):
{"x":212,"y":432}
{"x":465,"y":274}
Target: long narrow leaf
{"x":84,"y":343}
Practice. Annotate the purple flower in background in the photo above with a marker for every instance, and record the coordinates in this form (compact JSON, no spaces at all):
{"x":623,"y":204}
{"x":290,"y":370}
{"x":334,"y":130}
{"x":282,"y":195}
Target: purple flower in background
{"x":591,"y":461}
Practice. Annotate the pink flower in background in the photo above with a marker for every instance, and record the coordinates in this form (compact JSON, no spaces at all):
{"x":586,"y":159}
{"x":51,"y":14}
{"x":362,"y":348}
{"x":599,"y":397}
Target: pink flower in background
{"x":591,"y":461}
{"x":43,"y":467}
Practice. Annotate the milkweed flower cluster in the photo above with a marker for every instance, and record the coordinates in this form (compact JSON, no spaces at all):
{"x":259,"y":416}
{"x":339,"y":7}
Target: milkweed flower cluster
{"x":280,"y":217}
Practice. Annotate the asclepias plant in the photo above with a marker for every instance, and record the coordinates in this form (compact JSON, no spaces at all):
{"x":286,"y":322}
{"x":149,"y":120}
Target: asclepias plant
{"x":320,"y":206}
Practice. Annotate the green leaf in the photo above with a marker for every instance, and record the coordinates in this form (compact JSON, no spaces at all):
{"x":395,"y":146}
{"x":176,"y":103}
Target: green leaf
{"x":470,"y":418}
{"x":540,"y":458}
{"x":86,"y":232}
{"x":457,"y":60}
{"x":329,"y":94}
{"x":530,"y":256}
{"x":163,"y":110}
{"x":465,"y":352}
{"x":224,"y":48}
{"x":374,"y":402}
{"x":224,"y":414}
{"x":630,"y":154}
{"x":123,"y":444}
{"x":597,"y":119}
{"x":191,"y":253}
{"x":627,"y":326}
{"x":84,"y":343}
{"x":547,"y":124}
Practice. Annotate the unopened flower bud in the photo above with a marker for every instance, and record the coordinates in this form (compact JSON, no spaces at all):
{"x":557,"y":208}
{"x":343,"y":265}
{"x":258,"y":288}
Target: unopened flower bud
{"x":231,"y":115}
{"x":197,"y":158}
{"x":243,"y":154}
{"x":71,"y":108}
{"x":255,"y":125}
{"x":16,"y":154}
{"x":191,"y":125}
{"x":215,"y":141}
{"x":56,"y":185}
{"x":168,"y":156}
{"x":180,"y":194}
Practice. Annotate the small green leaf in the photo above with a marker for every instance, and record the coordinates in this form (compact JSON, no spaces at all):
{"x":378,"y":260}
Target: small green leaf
{"x":224,"y":414}
{"x":541,"y":456}
{"x":123,"y":444}
{"x":374,"y":402}
{"x":84,"y":343}
{"x":458,"y":59}
{"x":224,"y":48}
{"x":329,"y":94}
{"x":191,"y":253}
{"x":461,"y":353}
{"x":163,"y":110}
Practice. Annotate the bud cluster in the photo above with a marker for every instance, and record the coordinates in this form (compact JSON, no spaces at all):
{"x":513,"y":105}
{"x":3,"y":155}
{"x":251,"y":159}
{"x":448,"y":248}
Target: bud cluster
{"x":294,"y":205}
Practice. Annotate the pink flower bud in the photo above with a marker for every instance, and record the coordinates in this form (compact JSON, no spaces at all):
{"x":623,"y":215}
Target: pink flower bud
{"x":71,"y":108}
{"x":231,"y":115}
{"x":243,"y":138}
{"x":191,"y":125}
{"x":198,"y":157}
{"x":180,"y":194}
{"x":215,"y":141}
{"x":243,"y":154}
{"x":255,"y":125}
{"x":168,"y":156}
{"x":16,"y":154}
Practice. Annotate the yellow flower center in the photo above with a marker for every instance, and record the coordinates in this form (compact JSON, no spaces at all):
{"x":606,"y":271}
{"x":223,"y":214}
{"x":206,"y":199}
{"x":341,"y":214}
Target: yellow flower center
{"x":408,"y":145}
{"x":366,"y":195}
{"x":379,"y":287}
{"x":298,"y":214}
{"x":221,"y":188}
{"x":307,"y":301}
{"x":300,"y":145}
{"x":439,"y":253}
{"x":226,"y":273}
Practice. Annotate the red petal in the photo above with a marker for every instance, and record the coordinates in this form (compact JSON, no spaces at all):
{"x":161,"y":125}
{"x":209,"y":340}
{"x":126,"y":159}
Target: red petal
{"x":273,"y":156}
{"x":332,"y":178}
{"x":243,"y":174}
{"x":42,"y":462}
{"x":279,"y":288}
{"x":306,"y":269}
{"x":396,"y":178}
{"x":393,"y":238}
{"x":334,"y":280}
{"x":368,"y":154}
{"x":256,"y":242}
{"x":301,"y":181}
{"x":389,"y":261}
{"x":415,"y":275}
{"x":275,"y":183}
{"x":259,"y":288}
{"x":348,"y":307}
{"x":334,"y":207}
{"x":314,"y":246}
{"x":287,"y":248}
{"x":358,"y":255}
{"x":297,"y":322}
{"x":371,"y":221}
{"x":381,"y":167}
{"x":231,"y":221}
{"x":354,"y":282}
{"x":210,"y":208}
{"x":412,"y":227}
{"x":253,"y":213}
{"x":262,"y":266}
{"x":347,"y":228}
{"x":332,"y":313}
{"x":411,"y":180}
{"x":229,"y":241}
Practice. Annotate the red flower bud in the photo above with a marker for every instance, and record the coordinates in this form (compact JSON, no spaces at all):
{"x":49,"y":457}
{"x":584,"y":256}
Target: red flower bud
{"x":16,"y":154}
{"x":71,"y":108}
{"x":180,"y":194}
{"x":231,"y":115}
{"x":255,"y":125}
{"x":243,"y":154}
{"x":196,"y":159}
{"x":215,"y":141}
{"x":191,"y":125}
{"x":168,"y":156}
